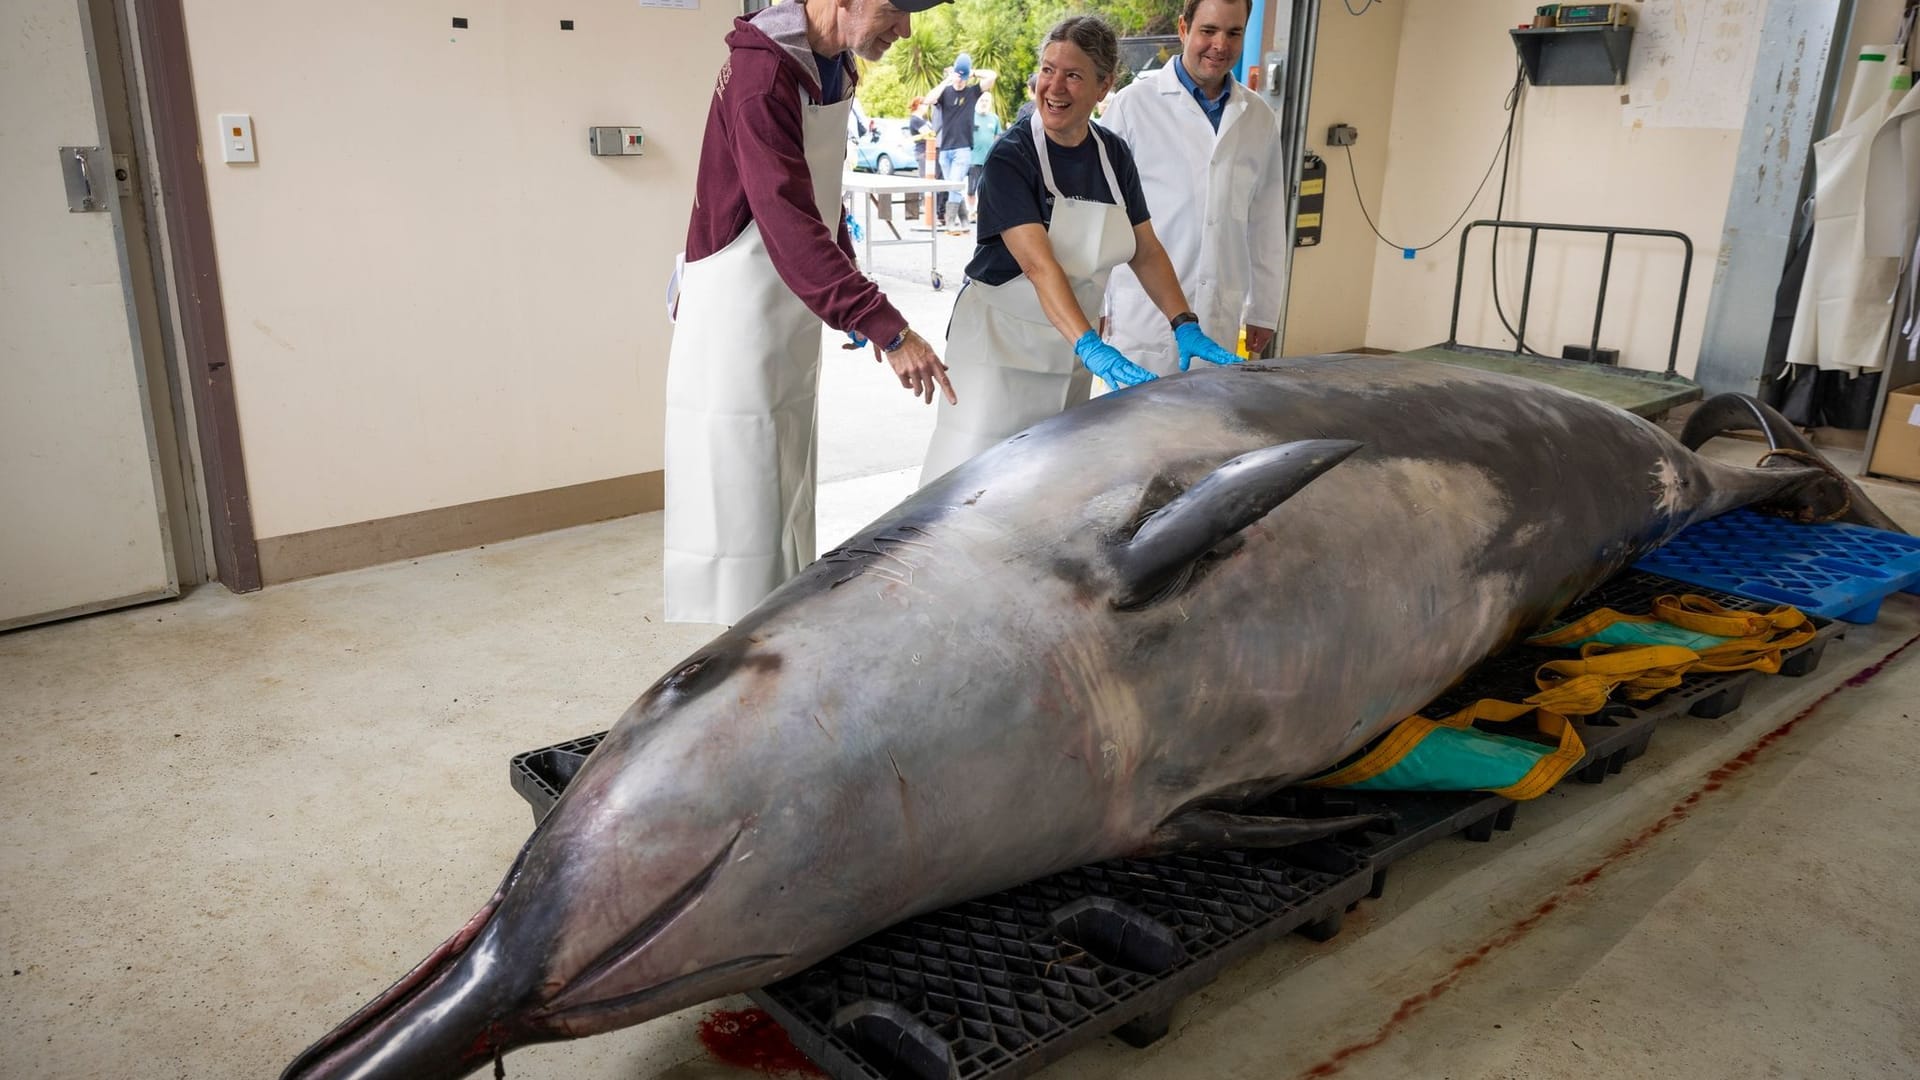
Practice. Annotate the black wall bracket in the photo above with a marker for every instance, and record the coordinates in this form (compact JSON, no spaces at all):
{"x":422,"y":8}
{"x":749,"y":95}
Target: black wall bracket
{"x":1575,"y":55}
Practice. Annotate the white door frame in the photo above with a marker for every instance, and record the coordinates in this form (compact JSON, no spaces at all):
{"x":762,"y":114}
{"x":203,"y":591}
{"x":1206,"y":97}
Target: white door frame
{"x":145,"y":569}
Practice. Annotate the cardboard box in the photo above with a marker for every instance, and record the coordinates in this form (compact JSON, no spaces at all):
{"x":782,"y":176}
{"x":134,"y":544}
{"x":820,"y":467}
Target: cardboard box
{"x":1897,"y":451}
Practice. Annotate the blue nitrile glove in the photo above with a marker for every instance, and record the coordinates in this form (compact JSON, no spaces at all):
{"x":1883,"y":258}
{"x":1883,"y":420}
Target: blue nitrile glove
{"x":1108,"y":363}
{"x":1194,"y":341}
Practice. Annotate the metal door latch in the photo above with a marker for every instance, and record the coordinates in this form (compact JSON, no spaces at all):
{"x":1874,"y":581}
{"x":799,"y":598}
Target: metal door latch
{"x":87,"y":172}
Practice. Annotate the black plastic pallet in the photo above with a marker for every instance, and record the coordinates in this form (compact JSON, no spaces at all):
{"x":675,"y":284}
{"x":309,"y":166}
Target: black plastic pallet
{"x":540,"y":775}
{"x":1004,"y":984}
{"x":1000,"y":986}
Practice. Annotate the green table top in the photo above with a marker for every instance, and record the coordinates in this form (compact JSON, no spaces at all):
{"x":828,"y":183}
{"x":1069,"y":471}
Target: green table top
{"x":1646,"y":393}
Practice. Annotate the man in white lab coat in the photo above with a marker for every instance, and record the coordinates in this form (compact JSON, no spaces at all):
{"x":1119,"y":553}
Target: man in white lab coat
{"x":1216,"y":181}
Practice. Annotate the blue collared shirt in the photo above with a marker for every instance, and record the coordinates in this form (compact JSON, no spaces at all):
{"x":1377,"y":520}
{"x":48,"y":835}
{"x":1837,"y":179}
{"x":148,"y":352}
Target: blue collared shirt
{"x":1215,"y":108}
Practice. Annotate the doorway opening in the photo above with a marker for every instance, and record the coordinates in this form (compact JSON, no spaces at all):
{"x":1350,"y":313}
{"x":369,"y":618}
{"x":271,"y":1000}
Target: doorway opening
{"x":873,"y":435}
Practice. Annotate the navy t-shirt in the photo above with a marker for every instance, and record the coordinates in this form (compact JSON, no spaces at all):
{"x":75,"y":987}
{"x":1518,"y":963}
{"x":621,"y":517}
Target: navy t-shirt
{"x":1012,"y":192}
{"x":955,"y":104}
{"x":833,"y":77}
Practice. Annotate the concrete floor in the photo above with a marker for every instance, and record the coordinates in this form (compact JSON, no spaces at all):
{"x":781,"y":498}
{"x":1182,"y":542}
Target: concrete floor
{"x":232,"y":820}
{"x":869,"y":426}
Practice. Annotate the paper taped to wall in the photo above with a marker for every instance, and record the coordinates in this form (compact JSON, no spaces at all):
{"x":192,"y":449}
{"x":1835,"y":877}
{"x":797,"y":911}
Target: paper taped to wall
{"x":1692,"y":64}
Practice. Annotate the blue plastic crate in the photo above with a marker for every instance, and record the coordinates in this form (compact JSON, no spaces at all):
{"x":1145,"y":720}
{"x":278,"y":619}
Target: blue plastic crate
{"x":1838,"y":571}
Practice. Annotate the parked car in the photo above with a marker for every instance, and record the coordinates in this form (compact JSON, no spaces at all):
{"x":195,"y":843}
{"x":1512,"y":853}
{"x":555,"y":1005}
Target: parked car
{"x":884,"y":147}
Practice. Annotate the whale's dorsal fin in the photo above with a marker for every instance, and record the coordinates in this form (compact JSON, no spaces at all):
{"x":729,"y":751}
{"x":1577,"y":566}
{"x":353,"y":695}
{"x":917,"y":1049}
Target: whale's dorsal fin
{"x":1226,"y":500}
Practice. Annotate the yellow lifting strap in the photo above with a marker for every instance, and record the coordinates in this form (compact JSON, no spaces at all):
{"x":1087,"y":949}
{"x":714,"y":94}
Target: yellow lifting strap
{"x":1580,"y":687}
{"x":1400,"y":742}
{"x":1757,"y":641}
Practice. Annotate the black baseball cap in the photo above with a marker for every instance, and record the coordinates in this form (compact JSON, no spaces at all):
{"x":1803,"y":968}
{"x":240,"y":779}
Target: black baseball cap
{"x":917,"y":6}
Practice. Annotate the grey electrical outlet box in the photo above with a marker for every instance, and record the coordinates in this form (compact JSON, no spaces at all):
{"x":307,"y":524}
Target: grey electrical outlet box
{"x":616,"y":141}
{"x":1342,"y":135}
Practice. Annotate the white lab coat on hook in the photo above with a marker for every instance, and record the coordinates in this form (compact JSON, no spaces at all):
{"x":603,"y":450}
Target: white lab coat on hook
{"x":1846,"y":303}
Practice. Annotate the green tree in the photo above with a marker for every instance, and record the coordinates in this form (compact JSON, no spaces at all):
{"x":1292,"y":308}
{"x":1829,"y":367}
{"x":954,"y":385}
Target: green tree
{"x":1141,"y":17}
{"x":1000,"y":35}
{"x":995,"y":34}
{"x":881,"y":92}
{"x":922,"y":58}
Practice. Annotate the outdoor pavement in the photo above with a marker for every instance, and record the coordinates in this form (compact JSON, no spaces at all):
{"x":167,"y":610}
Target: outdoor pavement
{"x":873,"y":434}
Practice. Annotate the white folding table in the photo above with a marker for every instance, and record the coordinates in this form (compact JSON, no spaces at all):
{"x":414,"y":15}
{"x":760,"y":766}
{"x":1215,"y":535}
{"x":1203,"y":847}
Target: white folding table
{"x":876,"y":187}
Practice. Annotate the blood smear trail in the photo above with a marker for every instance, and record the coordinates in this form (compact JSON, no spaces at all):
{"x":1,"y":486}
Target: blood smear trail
{"x":750,"y":1039}
{"x":1519,"y":928}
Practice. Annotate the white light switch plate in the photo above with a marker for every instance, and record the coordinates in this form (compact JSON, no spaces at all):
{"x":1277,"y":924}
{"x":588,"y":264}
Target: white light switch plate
{"x":236,"y":138}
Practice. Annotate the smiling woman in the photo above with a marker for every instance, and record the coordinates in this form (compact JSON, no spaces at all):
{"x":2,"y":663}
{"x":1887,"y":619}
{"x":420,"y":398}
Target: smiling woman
{"x":1060,"y":207}
{"x":1077,"y":66}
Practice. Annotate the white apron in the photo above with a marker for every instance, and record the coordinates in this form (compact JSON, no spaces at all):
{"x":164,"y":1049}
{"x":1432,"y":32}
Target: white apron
{"x":1847,"y":301}
{"x":1009,"y":365}
{"x":743,"y":378}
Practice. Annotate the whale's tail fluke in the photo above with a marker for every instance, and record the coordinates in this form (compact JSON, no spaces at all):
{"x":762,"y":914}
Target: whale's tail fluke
{"x":1825,"y":494}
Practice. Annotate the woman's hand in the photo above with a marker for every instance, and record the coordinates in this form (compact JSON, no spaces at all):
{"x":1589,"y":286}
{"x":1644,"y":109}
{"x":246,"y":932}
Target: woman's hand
{"x":1109,"y":363}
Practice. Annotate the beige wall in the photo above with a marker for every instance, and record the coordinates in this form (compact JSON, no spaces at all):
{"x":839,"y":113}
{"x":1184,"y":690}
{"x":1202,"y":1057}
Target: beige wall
{"x":1574,"y":161}
{"x":1354,"y":70}
{"x":435,"y":295}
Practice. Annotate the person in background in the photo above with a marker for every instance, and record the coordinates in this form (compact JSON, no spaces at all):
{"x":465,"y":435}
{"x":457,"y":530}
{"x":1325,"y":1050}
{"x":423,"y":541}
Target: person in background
{"x":1060,"y":206}
{"x":953,"y":108}
{"x":986,"y":128}
{"x":1025,"y":111}
{"x":989,"y":78}
{"x":1212,"y":168}
{"x":920,"y":131}
{"x":768,"y":260}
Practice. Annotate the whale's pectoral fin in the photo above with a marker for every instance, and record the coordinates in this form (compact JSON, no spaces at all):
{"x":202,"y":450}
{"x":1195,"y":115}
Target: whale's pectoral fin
{"x":1158,"y":558}
{"x":1824,"y":496}
{"x":1194,"y":830}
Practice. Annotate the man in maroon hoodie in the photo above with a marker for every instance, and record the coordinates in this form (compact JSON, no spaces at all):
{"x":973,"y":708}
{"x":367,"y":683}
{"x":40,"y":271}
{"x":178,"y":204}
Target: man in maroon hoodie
{"x":768,"y":260}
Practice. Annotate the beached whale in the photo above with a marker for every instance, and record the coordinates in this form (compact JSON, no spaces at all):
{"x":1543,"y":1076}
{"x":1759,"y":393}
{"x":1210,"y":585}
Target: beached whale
{"x":1101,"y":637}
